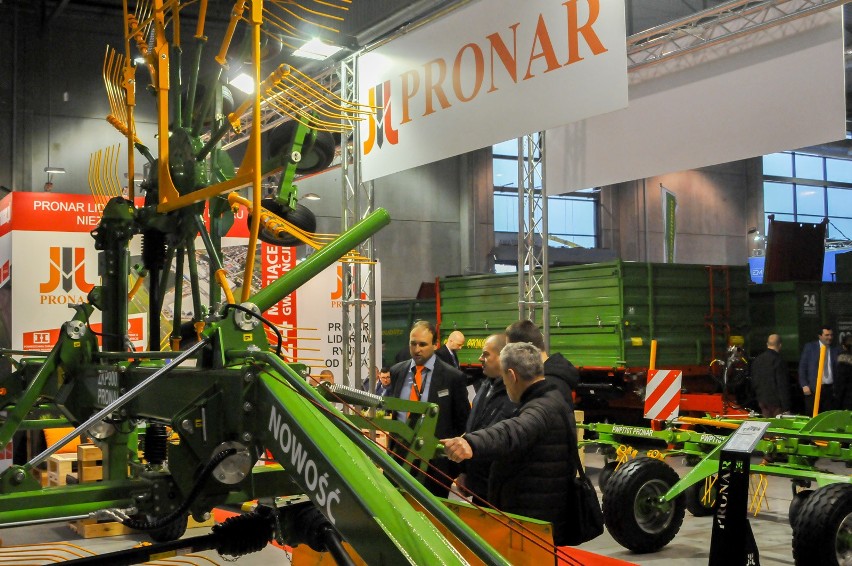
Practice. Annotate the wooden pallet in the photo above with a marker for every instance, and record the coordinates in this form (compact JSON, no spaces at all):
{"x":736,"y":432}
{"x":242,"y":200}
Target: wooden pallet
{"x":59,"y":466}
{"x":90,"y":528}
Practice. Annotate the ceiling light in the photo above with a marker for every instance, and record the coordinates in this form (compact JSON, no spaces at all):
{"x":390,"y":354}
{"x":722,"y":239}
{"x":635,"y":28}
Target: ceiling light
{"x":311,"y":196}
{"x":54,"y":170}
{"x":243,"y":82}
{"x":316,"y":49}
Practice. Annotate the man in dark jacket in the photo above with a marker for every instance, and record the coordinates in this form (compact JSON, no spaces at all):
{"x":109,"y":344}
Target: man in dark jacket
{"x":491,"y":405}
{"x":557,"y":370}
{"x":770,"y":380}
{"x":532,"y":470}
{"x":426,"y":378}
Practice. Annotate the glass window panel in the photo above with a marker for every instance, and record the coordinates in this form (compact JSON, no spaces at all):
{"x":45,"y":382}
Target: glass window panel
{"x":810,"y":200}
{"x":779,"y":164}
{"x":508,"y":147}
{"x":505,"y":213}
{"x":505,"y":173}
{"x":808,"y":167}
{"x":839,"y":201}
{"x":782,"y":217}
{"x":778,"y":197}
{"x":839,"y":170}
{"x":809,"y":219}
{"x":840,"y":228}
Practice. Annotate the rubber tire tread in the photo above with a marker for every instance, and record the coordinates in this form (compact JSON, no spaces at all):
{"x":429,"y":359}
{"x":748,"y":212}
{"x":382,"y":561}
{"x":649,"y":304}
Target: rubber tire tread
{"x":693,"y":499}
{"x":795,"y":510}
{"x":315,"y":157}
{"x":170,"y":532}
{"x":816,"y":527}
{"x":301,"y":216}
{"x":605,"y":474}
{"x":622,"y":488}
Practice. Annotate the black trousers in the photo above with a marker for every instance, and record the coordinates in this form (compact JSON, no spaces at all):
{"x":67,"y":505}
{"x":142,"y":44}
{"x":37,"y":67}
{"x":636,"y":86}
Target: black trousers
{"x":826,"y":400}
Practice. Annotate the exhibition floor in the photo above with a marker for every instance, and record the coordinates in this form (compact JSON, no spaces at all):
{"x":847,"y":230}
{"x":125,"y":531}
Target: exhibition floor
{"x":690,"y":547}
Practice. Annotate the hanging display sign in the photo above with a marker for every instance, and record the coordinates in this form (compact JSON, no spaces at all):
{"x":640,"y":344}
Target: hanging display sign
{"x":488,"y":72}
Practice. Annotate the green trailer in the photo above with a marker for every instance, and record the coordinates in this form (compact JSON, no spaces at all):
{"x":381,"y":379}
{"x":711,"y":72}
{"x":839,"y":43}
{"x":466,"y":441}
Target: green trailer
{"x":397,"y":318}
{"x":796,"y":311}
{"x":604,"y":316}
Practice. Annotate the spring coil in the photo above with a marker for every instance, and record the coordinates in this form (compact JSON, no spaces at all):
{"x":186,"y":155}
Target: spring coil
{"x":156,"y":447}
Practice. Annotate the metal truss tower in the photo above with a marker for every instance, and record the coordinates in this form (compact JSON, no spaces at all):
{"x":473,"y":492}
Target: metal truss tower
{"x":533,"y":274}
{"x":358,"y":280}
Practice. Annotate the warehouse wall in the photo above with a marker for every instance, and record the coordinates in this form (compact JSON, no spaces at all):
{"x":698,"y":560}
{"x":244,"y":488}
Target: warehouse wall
{"x":716,"y":206}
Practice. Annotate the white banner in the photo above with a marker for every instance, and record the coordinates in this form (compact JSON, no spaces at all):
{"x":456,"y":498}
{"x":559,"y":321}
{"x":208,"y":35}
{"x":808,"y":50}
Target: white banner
{"x":488,"y":72}
{"x":319,"y":304}
{"x":779,"y":89}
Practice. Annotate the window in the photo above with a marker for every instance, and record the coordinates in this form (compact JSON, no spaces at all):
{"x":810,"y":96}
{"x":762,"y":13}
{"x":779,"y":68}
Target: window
{"x":572,"y":217}
{"x":807,"y":188}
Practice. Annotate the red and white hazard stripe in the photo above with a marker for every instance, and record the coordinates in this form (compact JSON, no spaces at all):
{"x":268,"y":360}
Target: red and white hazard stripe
{"x":662,"y":395}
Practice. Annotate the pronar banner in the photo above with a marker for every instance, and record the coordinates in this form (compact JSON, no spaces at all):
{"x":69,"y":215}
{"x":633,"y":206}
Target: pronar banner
{"x":54,"y":264}
{"x":488,"y":72}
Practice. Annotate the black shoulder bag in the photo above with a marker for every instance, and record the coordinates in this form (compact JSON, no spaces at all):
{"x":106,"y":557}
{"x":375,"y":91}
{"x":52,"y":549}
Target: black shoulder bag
{"x":584,"y":520}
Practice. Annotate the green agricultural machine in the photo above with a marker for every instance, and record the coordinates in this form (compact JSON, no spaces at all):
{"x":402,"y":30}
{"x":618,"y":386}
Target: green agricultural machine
{"x":180,"y":430}
{"x":645,"y":500}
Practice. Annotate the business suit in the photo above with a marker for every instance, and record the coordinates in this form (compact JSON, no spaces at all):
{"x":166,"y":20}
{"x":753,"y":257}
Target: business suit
{"x":448,"y":356}
{"x":444,"y":386}
{"x":808,"y":369}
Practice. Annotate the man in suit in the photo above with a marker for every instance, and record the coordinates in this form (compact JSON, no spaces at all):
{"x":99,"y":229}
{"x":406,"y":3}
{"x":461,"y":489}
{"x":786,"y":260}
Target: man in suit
{"x":426,"y":378}
{"x":449,"y":351}
{"x":770,"y":379}
{"x":383,"y":382}
{"x":809,"y":367}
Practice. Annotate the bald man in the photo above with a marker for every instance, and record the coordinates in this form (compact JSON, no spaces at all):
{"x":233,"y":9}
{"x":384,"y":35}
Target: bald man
{"x":449,"y":351}
{"x":771,"y":380}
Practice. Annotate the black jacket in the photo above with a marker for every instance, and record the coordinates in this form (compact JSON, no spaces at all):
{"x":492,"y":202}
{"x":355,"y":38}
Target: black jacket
{"x":532,"y":470}
{"x":562,"y":373}
{"x":770,"y":380}
{"x":444,"y":354}
{"x":491,"y":405}
{"x":447,"y":389}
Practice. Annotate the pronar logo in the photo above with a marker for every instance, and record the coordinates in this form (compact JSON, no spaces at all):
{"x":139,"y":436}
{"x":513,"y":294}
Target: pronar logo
{"x":67,"y":275}
{"x":499,"y":60}
{"x":381,"y":125}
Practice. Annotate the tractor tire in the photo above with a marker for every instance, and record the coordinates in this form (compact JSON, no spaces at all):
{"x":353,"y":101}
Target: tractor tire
{"x":694,"y":497}
{"x":301,"y":216}
{"x":170,"y":532}
{"x":315,"y":157}
{"x":606,"y":473}
{"x":632,"y":513}
{"x":822,"y":533}
{"x":796,"y":504}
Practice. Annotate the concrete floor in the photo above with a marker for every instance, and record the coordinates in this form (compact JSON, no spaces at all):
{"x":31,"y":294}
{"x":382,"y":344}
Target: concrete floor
{"x":691,"y":546}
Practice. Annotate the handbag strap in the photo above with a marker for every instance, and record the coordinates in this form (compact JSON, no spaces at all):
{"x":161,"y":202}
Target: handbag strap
{"x":573,"y":449}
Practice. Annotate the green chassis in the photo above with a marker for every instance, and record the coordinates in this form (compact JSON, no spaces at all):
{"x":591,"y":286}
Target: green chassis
{"x":796,"y":444}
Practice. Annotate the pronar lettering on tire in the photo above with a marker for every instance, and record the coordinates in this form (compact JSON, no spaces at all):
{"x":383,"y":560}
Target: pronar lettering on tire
{"x":303,"y":466}
{"x":634,"y":512}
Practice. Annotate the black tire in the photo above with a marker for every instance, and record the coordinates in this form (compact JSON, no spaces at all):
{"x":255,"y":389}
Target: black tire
{"x":822,"y":533}
{"x":316,"y":156}
{"x":606,"y":473}
{"x":796,"y":504}
{"x":170,"y":532}
{"x":695,"y":499}
{"x":632,"y":512}
{"x":301,"y":216}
